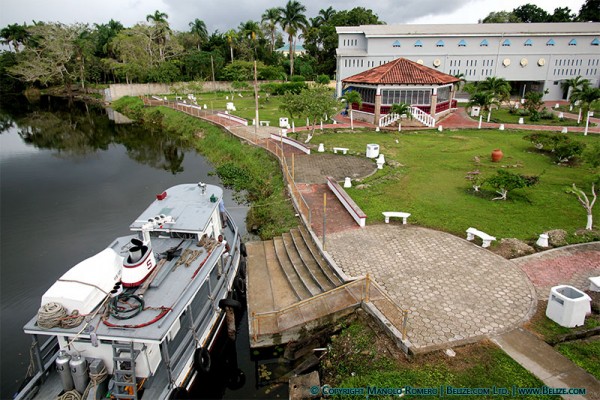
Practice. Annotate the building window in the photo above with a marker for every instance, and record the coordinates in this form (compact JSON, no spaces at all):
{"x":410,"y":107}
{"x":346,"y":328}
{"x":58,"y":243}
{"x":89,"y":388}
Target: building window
{"x":396,"y":44}
{"x":418,"y":43}
{"x":440,"y":43}
{"x":484,"y":43}
{"x":462,"y":43}
{"x":528,"y":42}
{"x":573,"y":42}
{"x":506,"y":43}
{"x":595,"y":42}
{"x":550,"y":42}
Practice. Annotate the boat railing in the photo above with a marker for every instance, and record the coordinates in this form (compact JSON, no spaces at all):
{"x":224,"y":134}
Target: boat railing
{"x":360,"y":290}
{"x":42,"y":358}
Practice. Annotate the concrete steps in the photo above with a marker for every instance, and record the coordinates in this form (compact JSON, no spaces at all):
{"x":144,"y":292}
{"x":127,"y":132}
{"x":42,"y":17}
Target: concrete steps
{"x":286,"y":270}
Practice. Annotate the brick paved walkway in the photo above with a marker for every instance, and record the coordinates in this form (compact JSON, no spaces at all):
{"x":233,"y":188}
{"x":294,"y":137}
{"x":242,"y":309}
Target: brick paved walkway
{"x":315,"y":167}
{"x":571,"y":265}
{"x":456,"y":291}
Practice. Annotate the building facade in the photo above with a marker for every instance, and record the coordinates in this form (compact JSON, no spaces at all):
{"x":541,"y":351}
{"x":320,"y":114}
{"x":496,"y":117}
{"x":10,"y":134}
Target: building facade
{"x":535,"y":57}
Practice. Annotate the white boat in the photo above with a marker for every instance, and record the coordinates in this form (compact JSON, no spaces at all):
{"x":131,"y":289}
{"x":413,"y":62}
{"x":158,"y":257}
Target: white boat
{"x":138,"y":319}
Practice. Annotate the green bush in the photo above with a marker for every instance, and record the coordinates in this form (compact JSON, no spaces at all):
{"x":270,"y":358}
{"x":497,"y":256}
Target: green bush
{"x":298,"y":78}
{"x":561,"y":147}
{"x":547,"y":114}
{"x":323,"y":79}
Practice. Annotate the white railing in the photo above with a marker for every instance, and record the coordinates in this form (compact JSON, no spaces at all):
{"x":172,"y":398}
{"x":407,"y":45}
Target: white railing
{"x":388,"y":119}
{"x":422,"y":117}
{"x":230,"y":117}
{"x":291,"y":142}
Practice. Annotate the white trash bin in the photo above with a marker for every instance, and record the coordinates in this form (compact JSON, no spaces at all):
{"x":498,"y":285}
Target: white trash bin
{"x":568,"y":306}
{"x":372,"y":150}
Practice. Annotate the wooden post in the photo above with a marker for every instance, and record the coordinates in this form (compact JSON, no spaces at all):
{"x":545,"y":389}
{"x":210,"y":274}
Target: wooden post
{"x":293,"y":169}
{"x":255,"y":102}
{"x":368,"y":280}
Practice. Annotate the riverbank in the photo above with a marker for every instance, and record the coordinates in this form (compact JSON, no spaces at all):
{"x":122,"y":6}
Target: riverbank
{"x":251,"y":172}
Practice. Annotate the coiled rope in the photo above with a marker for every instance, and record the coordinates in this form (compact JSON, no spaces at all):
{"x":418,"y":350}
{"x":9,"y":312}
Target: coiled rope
{"x":70,"y":395}
{"x":52,"y":315}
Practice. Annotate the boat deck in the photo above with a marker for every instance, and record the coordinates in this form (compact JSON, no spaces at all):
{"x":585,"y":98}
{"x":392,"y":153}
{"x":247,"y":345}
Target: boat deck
{"x":174,"y":286}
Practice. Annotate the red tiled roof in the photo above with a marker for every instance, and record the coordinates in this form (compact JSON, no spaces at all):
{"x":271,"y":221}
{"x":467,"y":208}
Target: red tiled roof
{"x":402,"y":71}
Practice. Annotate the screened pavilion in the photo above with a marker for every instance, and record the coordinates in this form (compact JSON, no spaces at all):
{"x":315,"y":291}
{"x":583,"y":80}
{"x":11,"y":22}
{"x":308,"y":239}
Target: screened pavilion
{"x":402,"y":81}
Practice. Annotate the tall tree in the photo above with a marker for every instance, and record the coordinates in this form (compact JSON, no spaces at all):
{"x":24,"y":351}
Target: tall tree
{"x":292,"y":21}
{"x":325,"y":16}
{"x":562,"y":14}
{"x":250,"y":32}
{"x":269,"y":21}
{"x":500,"y":17}
{"x":231,"y":36}
{"x":531,"y":13}
{"x":499,"y":87}
{"x":162,"y":29}
{"x":589,"y":11}
{"x":198,"y":28}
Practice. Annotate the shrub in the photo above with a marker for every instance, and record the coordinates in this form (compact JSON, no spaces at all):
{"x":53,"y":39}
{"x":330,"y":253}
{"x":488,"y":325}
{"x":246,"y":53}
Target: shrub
{"x":560,"y":146}
{"x":547,"y":114}
{"x":323,"y":79}
{"x":298,"y":78}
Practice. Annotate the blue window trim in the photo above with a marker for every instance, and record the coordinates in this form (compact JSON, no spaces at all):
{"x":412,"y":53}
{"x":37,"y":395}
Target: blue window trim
{"x":596,"y":42}
{"x":440,"y":43}
{"x":396,"y":44}
{"x":484,"y":42}
{"x":550,"y":42}
{"x":573,"y":42}
{"x":528,"y":42}
{"x":462,"y":43}
{"x":418,"y":43}
{"x":506,"y":43}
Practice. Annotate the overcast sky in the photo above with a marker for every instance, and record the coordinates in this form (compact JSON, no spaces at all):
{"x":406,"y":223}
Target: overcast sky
{"x":226,"y":14}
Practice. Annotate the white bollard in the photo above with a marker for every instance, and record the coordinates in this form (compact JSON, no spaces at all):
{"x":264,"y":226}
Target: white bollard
{"x":501,"y":127}
{"x":543,"y":240}
{"x":377,"y":129}
{"x":556,"y":105}
{"x":480,"y":119}
{"x":380,"y":161}
{"x":347,"y":182}
{"x":205,"y":107}
{"x":440,"y":128}
{"x":561,"y":115}
{"x":521,"y":121}
{"x":564,"y":130}
{"x":321,"y":148}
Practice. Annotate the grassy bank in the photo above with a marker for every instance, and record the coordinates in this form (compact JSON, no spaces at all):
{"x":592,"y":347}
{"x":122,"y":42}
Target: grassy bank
{"x":360,"y":357}
{"x":425,"y":175}
{"x":252,"y":172}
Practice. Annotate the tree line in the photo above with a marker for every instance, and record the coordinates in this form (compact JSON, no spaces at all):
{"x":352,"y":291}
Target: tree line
{"x":589,"y":11}
{"x":51,"y":53}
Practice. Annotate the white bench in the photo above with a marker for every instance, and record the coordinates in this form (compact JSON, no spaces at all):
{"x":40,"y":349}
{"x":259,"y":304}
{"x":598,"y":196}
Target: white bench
{"x":397,"y":214}
{"x":594,"y":283}
{"x":265,"y":123}
{"x":487,"y":239}
{"x":342,"y":149}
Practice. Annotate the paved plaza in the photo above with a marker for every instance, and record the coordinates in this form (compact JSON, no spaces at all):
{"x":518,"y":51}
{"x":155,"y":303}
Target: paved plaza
{"x":455,"y":290}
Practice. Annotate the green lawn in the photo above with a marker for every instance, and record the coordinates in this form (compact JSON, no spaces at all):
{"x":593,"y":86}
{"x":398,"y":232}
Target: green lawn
{"x":586,"y":354}
{"x":502,"y":116}
{"x":430,"y":181}
{"x":359,"y":358}
{"x":268,"y":107}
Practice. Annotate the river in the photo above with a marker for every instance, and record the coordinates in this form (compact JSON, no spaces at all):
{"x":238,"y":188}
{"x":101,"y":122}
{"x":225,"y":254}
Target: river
{"x":70,"y":181}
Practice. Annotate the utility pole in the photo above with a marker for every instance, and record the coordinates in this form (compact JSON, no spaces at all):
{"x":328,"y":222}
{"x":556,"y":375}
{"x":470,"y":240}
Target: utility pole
{"x":255,"y":102}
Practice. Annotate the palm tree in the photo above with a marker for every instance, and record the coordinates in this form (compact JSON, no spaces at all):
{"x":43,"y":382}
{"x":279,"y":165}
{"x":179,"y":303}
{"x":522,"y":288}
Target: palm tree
{"x":570,"y":85}
{"x":324,"y":16}
{"x":250,"y":30}
{"x":483,"y":99}
{"x":351,"y":97}
{"x":292,"y":20}
{"x":499,"y":87}
{"x":587,"y":97}
{"x":269,"y":20}
{"x":198,"y":28}
{"x":461,"y":81}
{"x":401,"y":109}
{"x":159,"y":20}
{"x":231,"y":35}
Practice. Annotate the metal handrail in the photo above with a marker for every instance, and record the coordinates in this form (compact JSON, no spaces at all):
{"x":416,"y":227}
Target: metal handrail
{"x":365,"y":297}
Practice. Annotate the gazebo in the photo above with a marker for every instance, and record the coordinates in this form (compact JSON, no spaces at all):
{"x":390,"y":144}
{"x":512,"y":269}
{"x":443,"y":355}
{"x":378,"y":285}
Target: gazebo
{"x":402,"y":81}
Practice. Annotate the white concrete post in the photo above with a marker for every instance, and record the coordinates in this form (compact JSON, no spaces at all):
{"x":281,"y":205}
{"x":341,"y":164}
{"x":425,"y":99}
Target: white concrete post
{"x":480,"y":120}
{"x":543,"y":240}
{"x":347,"y":182}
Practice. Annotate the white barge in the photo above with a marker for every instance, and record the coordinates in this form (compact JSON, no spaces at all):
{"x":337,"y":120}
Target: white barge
{"x":138,"y":319}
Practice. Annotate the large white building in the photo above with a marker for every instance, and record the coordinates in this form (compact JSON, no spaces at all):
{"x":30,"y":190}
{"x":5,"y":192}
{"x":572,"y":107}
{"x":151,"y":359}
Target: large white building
{"x":530,"y":56}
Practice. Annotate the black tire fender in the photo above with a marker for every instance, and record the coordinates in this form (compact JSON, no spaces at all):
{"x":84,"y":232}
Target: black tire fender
{"x":202,"y":359}
{"x":230,"y":303}
{"x":239,"y":284}
{"x":237,"y":380}
{"x":243,"y":249}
